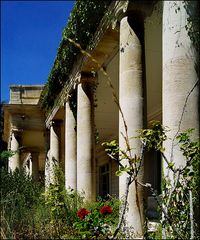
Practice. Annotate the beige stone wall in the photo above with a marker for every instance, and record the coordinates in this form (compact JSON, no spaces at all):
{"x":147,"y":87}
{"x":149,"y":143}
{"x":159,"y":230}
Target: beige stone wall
{"x":153,"y":63}
{"x":34,"y":140}
{"x":106,"y":120}
{"x":101,"y":159}
{"x":114,"y":179}
{"x":106,"y":112}
{"x":153,"y":70}
{"x":24,"y":127}
{"x":25,"y":94}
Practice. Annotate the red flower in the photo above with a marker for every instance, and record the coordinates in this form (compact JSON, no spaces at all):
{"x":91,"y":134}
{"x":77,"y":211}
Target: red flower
{"x":106,"y":210}
{"x":82,"y":213}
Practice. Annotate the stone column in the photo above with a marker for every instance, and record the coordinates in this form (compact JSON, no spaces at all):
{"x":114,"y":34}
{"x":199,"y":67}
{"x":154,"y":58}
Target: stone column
{"x":180,"y":88}
{"x":35,"y":165}
{"x":47,"y":170}
{"x":131,"y":102}
{"x":14,"y":161}
{"x":47,"y":160}
{"x":54,"y":149}
{"x":30,"y":166}
{"x":85,"y":141}
{"x":70,"y":148}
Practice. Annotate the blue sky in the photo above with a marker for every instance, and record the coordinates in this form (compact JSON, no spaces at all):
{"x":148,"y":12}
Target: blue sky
{"x":30,"y":35}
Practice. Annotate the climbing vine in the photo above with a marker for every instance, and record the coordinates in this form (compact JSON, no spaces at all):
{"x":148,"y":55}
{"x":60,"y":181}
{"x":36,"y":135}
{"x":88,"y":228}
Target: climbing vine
{"x":82,"y":24}
{"x":193,"y":20}
{"x":73,"y":103}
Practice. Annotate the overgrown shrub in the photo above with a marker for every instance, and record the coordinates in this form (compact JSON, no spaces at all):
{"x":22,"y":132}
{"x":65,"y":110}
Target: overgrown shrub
{"x":19,"y":197}
{"x":62,"y":204}
{"x":28,"y":211}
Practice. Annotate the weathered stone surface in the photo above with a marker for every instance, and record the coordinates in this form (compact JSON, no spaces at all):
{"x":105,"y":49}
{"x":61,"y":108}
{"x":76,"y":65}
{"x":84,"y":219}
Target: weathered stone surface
{"x":131,"y":102}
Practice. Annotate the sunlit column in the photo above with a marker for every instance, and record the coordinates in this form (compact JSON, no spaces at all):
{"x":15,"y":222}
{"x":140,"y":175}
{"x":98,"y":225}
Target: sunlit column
{"x":131,"y":102}
{"x":14,"y":161}
{"x":54,"y":149}
{"x":85,"y":141}
{"x":70,"y":148}
{"x":180,"y":88}
{"x":47,"y":170}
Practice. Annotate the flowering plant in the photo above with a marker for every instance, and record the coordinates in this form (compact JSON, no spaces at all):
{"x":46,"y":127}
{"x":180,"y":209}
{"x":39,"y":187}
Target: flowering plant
{"x":82,"y":213}
{"x":106,"y":210}
{"x":95,"y":222}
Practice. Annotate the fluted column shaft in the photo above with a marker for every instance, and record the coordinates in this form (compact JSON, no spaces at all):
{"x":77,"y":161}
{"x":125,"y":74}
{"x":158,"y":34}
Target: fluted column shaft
{"x":131,"y":102}
{"x":70,"y":149}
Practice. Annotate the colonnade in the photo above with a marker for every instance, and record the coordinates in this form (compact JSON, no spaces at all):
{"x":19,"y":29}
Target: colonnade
{"x":79,"y":142}
{"x":31,"y":161}
{"x":179,"y":93}
{"x":80,"y":166}
{"x":80,"y":169}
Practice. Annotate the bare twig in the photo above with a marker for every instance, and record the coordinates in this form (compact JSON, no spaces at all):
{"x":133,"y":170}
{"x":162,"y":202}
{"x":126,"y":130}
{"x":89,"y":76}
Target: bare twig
{"x":130,"y":179}
{"x":172,"y":190}
{"x":116,"y":160}
{"x":122,"y":217}
{"x":141,"y":156}
{"x":154,"y":194}
{"x":181,"y":118}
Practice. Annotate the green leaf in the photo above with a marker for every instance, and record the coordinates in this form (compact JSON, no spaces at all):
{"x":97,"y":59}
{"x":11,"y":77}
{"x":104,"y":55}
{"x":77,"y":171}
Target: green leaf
{"x":118,"y":173}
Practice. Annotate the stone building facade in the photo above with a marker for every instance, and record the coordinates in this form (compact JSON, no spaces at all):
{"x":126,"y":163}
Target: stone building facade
{"x":24,"y":129}
{"x":150,"y":59}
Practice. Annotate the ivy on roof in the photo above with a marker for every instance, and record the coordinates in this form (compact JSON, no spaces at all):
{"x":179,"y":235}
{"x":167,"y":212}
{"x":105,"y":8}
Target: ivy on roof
{"x":82,"y":24}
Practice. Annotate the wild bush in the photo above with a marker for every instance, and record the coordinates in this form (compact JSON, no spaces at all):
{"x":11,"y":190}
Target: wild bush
{"x":19,"y":197}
